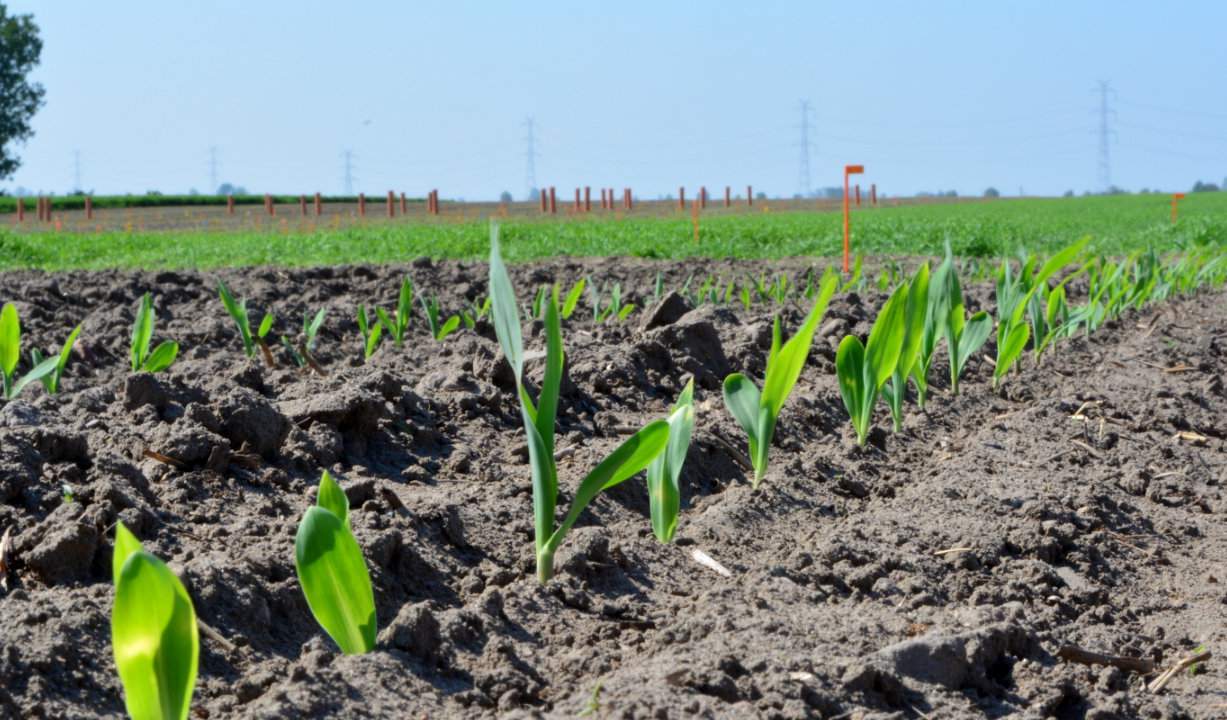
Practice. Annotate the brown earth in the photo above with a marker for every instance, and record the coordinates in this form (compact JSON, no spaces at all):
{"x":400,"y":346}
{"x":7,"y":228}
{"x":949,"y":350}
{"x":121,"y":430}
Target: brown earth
{"x":934,"y":574}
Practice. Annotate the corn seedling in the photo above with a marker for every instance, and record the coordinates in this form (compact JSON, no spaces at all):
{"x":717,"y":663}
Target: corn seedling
{"x":142,"y":337}
{"x":10,"y":355}
{"x":404,"y":309}
{"x":964,"y":335}
{"x":371,"y":334}
{"x":664,"y":474}
{"x":438,"y":330}
{"x":577,"y":292}
{"x":238,"y":311}
{"x":1015,"y":296}
{"x":332,"y":571}
{"x":856,"y":281}
{"x":478,"y":311}
{"x":153,"y":633}
{"x":51,"y":381}
{"x":632,"y":456}
{"x":757,"y":412}
{"x":895,"y":389}
{"x":863,"y":369}
{"x":301,"y":353}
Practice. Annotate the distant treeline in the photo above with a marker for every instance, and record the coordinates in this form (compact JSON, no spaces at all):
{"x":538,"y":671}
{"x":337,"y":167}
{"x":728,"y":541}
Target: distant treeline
{"x":8,"y":204}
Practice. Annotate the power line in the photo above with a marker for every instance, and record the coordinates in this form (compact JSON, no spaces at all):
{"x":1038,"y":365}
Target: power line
{"x":803,"y":176}
{"x":530,"y":159}
{"x":1105,"y":133}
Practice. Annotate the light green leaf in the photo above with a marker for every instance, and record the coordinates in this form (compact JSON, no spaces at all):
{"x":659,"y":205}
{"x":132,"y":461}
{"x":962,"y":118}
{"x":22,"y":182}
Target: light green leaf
{"x":664,"y":473}
{"x":265,"y":325}
{"x":886,"y":338}
{"x":335,"y":580}
{"x":142,"y":332}
{"x":505,"y":313}
{"x":332,"y":498}
{"x":449,"y":326}
{"x":125,"y":544}
{"x":10,"y":339}
{"x":38,"y":372}
{"x":161,"y":357}
{"x":741,"y":397}
{"x":155,"y":639}
{"x":1010,"y":350}
{"x":784,"y":367}
{"x":572,"y":299}
{"x":974,"y":335}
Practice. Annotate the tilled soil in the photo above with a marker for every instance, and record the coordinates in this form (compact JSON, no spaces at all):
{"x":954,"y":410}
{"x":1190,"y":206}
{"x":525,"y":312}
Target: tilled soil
{"x":935,"y":573}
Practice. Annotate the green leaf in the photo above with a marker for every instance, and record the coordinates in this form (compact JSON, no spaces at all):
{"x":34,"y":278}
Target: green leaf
{"x":155,"y":639}
{"x":449,"y":326}
{"x":161,"y":357}
{"x":38,"y":372}
{"x":53,"y":385}
{"x":265,"y":325}
{"x":372,"y":340}
{"x":10,"y":339}
{"x":626,"y":311}
{"x":741,"y":397}
{"x":974,"y":335}
{"x":505,"y":313}
{"x":1061,"y":259}
{"x":854,"y":381}
{"x":572,"y":299}
{"x":664,"y":473}
{"x":385,"y":319}
{"x":125,"y":544}
{"x":886,"y":338}
{"x":1010,"y":349}
{"x":312,"y":328}
{"x":632,"y":456}
{"x":332,"y":498}
{"x":914,"y":320}
{"x":335,"y":581}
{"x":404,"y":307}
{"x":142,"y":332}
{"x":545,"y":484}
{"x":551,"y":384}
{"x":785,"y":364}
{"x":238,"y":311}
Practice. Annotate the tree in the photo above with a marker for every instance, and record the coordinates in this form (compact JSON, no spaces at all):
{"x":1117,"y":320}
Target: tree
{"x":505,"y":197}
{"x":20,"y":48}
{"x":1200,"y":186}
{"x":992,"y":192}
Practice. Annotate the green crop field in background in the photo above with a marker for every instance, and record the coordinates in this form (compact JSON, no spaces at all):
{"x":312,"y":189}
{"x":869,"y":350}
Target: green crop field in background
{"x":1116,"y":224}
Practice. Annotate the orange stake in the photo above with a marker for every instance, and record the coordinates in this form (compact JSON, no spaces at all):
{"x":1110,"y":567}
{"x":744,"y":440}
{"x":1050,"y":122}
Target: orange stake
{"x":1176,"y":197}
{"x":749,"y":196}
{"x":848,"y":170}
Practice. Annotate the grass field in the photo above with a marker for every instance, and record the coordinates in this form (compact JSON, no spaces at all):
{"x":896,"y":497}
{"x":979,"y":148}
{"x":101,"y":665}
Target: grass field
{"x":1116,"y":224}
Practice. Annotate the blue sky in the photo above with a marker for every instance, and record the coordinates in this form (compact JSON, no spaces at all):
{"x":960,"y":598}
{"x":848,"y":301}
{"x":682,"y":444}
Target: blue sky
{"x":652,"y":95}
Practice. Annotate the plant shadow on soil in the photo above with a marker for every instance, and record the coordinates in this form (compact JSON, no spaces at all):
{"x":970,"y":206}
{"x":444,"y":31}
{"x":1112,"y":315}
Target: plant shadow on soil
{"x":935,"y":571}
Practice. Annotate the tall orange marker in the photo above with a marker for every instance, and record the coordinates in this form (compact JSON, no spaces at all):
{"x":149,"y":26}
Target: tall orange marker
{"x":848,"y":170}
{"x":1176,"y":197}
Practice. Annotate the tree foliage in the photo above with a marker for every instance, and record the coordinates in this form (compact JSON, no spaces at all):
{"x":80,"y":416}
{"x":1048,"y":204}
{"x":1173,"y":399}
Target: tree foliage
{"x":20,"y":48}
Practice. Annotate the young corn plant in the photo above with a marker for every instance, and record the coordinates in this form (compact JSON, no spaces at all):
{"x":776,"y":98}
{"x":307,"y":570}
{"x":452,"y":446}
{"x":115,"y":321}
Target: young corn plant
{"x":51,"y":381}
{"x":153,"y":633}
{"x":238,"y":312}
{"x":333,"y":573}
{"x":895,"y":389}
{"x":478,"y":311}
{"x":301,"y":353}
{"x":10,"y":355}
{"x":1016,"y":296}
{"x":632,"y":456}
{"x":438,"y":330}
{"x":757,"y":412}
{"x":864,"y":369}
{"x":371,"y":334}
{"x":577,"y":291}
{"x":933,"y":328}
{"x":664,"y":474}
{"x":964,"y":335}
{"x":404,"y":309}
{"x":142,"y":337}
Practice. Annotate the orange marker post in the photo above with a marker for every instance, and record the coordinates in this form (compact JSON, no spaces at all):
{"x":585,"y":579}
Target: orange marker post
{"x":319,"y":205}
{"x":858,"y":194}
{"x":362,"y":204}
{"x":1176,"y":197}
{"x":89,"y":207}
{"x":587,"y":198}
{"x":749,"y":196}
{"x":544,"y":201}
{"x":229,"y":204}
{"x":848,"y":170}
{"x":21,"y":210}
{"x":681,"y":198}
{"x":404,"y":204}
{"x":553,"y":202}
{"x":302,"y":205}
{"x":873,"y":194}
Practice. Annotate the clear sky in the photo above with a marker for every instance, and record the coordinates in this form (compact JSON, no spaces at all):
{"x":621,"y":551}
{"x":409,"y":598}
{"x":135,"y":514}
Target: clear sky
{"x":652,"y":95}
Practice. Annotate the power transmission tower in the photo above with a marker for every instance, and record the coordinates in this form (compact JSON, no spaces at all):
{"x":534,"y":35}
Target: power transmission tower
{"x":803,"y":178}
{"x":349,"y":172}
{"x":212,"y":169}
{"x":76,"y":170}
{"x":1106,"y":114}
{"x":530,"y":159}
